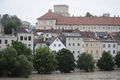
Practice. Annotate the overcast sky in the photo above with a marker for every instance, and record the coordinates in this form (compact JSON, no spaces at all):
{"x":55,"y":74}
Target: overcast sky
{"x":29,"y":10}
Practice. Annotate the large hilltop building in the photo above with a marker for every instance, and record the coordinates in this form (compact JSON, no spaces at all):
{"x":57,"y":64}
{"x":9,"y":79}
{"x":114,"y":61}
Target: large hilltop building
{"x":61,"y":19}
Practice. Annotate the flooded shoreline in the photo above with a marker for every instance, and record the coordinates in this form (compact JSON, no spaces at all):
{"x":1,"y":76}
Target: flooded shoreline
{"x":97,"y":75}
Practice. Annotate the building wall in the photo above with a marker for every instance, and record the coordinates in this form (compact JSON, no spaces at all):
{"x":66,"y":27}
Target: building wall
{"x":45,"y":24}
{"x":6,"y":40}
{"x":112,"y":49}
{"x":61,"y":10}
{"x":39,"y":45}
{"x":56,"y":45}
{"x":75,"y":45}
{"x":93,"y":47}
{"x":119,"y":47}
{"x":94,"y":28}
{"x":26,"y":40}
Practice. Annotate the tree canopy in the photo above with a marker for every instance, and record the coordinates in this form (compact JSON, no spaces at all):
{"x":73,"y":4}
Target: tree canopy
{"x":85,"y":62}
{"x":65,"y":61}
{"x":44,"y":60}
{"x":10,"y":23}
{"x":13,"y":65}
{"x":22,"y":49}
{"x":106,"y":62}
{"x":88,"y":14}
{"x":117,"y":59}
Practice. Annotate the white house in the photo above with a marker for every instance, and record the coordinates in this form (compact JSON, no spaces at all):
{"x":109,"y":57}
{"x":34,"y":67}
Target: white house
{"x":55,"y":44}
{"x":25,"y":37}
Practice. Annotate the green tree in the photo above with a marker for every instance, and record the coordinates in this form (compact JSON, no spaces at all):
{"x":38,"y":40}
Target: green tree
{"x":23,"y":67}
{"x":10,"y":23}
{"x":117,"y":59}
{"x":13,"y":65}
{"x":22,"y":49}
{"x":7,"y":61}
{"x":65,"y":61}
{"x":44,"y":60}
{"x":88,"y":14}
{"x":85,"y":62}
{"x":106,"y":62}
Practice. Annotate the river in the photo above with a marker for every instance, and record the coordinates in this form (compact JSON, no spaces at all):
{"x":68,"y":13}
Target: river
{"x":97,"y":75}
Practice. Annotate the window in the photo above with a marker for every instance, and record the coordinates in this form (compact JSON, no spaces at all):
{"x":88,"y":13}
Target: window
{"x":6,"y":41}
{"x":109,"y":51}
{"x":103,"y":45}
{"x":87,"y":51}
{"x":21,"y":37}
{"x":96,"y":51}
{"x":54,"y":45}
{"x":25,"y":38}
{"x":78,"y":44}
{"x":91,"y":51}
{"x":113,"y":45}
{"x":59,"y":45}
{"x":29,"y":45}
{"x":113,"y":51}
{"x":78,"y":51}
{"x":47,"y":35}
{"x":83,"y":27}
{"x":73,"y":51}
{"x":91,"y":45}
{"x":0,"y":41}
{"x":69,"y":44}
{"x":108,"y":45}
{"x":56,"y":39}
{"x":103,"y":27}
{"x":86,"y":45}
{"x":78,"y":38}
{"x":73,"y":44}
{"x":73,"y":38}
{"x":94,"y":27}
{"x":97,"y":45}
{"x":29,"y":38}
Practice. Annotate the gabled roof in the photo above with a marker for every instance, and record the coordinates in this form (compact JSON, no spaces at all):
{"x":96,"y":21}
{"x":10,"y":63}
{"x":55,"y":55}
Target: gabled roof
{"x":51,"y":40}
{"x":48,"y":15}
{"x":22,"y":30}
{"x":64,"y":20}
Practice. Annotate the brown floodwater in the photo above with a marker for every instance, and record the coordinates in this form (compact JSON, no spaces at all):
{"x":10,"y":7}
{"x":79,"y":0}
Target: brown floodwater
{"x":97,"y":75}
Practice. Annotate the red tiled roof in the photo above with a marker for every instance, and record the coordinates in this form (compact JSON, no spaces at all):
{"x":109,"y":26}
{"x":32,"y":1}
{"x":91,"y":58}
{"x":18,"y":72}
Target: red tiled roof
{"x":82,"y":20}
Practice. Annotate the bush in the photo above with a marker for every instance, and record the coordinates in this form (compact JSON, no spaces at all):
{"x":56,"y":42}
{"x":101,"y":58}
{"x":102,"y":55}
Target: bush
{"x":85,"y":62}
{"x":106,"y":62}
{"x":65,"y":61}
{"x":117,"y":59}
{"x":44,"y":60}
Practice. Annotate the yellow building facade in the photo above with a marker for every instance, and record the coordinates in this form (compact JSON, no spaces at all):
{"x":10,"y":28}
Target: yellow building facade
{"x":94,"y":47}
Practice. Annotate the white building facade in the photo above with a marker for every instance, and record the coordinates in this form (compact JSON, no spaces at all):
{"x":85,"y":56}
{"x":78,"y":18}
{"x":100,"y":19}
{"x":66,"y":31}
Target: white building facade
{"x":74,"y":43}
{"x":110,"y":46}
{"x":6,"y":40}
{"x":26,"y":38}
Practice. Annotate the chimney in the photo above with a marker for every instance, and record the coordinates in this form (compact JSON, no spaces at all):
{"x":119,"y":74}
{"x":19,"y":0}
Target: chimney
{"x":106,"y":15}
{"x":50,"y":10}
